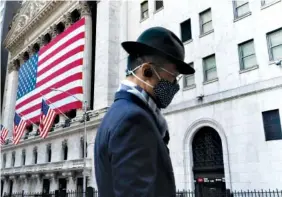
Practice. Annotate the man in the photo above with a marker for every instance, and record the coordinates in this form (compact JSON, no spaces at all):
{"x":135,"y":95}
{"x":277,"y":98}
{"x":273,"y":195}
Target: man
{"x":131,"y":156}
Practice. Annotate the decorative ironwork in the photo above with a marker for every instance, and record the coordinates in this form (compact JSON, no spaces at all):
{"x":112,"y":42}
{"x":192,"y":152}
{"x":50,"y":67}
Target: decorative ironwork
{"x":207,"y":149}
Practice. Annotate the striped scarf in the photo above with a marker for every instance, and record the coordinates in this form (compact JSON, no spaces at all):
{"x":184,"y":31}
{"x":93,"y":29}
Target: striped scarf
{"x":132,"y":88}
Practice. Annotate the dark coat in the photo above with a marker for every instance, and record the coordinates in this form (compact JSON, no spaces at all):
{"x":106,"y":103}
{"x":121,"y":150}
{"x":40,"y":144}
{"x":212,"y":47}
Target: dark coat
{"x":131,"y":158}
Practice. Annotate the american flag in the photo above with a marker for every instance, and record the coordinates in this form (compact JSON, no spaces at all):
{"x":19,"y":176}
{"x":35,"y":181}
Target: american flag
{"x":4,"y":133}
{"x":46,"y":119}
{"x":19,"y":128}
{"x":57,"y":65}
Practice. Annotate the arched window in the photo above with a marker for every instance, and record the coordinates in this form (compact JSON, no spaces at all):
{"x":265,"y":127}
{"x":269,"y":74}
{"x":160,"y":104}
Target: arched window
{"x":49,"y":152}
{"x":75,"y":16}
{"x":25,"y":56}
{"x":65,"y":149}
{"x":23,"y":157}
{"x":35,"y":155}
{"x":60,"y":28}
{"x":36,"y":48}
{"x":47,"y":38}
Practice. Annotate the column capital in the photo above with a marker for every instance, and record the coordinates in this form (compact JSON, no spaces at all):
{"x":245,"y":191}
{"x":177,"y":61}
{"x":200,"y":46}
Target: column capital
{"x":53,"y":31}
{"x":14,"y":66}
{"x":84,"y":8}
{"x":67,"y":20}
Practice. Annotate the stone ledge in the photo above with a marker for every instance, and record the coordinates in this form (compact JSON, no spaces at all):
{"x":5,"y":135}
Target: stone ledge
{"x":253,"y":88}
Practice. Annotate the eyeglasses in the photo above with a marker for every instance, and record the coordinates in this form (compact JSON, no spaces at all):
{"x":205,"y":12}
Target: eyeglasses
{"x":177,"y":76}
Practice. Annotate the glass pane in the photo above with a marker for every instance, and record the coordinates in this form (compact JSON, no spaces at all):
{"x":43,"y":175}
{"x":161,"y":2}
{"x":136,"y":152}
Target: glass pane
{"x":277,"y":52}
{"x":248,"y":48}
{"x":243,"y":10}
{"x":206,"y":16}
{"x":189,"y":80}
{"x":211,"y":74}
{"x":209,"y":62}
{"x":159,"y":4}
{"x":249,"y":61}
{"x":145,"y":14}
{"x":276,"y":38}
{"x":239,"y":3}
{"x":144,"y":6}
{"x":207,"y":27}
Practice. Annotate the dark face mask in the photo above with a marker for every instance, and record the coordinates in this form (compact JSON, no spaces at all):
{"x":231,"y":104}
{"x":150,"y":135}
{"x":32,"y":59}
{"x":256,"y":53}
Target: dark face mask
{"x":164,"y":92}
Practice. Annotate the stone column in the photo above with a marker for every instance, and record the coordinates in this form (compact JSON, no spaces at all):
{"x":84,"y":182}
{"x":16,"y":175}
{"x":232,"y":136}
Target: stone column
{"x":85,"y":12}
{"x":107,"y":53}
{"x":11,"y":96}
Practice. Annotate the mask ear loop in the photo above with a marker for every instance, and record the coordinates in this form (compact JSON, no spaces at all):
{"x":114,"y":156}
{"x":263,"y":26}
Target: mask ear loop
{"x":132,"y":72}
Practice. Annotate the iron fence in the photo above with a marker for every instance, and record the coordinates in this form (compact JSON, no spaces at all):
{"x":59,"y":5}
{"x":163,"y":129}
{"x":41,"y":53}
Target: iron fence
{"x":183,"y":193}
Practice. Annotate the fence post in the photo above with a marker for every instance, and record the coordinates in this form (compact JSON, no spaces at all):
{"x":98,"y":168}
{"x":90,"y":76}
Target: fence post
{"x":89,"y":191}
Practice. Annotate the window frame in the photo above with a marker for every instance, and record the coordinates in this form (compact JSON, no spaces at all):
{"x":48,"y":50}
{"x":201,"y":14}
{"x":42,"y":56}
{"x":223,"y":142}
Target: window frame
{"x":201,"y":21}
{"x":156,"y":5}
{"x":23,"y":157}
{"x":266,"y":134}
{"x":181,"y":25}
{"x":269,"y":47}
{"x":185,"y":86}
{"x":141,"y":11}
{"x":13,"y":159}
{"x":235,"y":9}
{"x":240,"y":52}
{"x":204,"y":68}
{"x":35,"y":155}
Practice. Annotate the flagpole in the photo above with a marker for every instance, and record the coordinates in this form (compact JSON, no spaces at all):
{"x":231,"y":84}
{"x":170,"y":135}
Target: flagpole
{"x":54,"y":106}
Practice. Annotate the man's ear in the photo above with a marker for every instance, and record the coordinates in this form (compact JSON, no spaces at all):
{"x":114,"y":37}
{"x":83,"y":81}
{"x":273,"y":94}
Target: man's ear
{"x":147,"y":70}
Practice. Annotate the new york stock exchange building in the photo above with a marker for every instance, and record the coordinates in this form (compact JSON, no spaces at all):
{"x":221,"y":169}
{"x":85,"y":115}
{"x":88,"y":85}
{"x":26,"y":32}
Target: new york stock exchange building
{"x":224,"y":123}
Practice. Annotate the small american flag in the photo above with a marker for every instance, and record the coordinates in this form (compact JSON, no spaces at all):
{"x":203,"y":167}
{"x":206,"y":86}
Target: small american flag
{"x":56,"y":65}
{"x":4,"y":133}
{"x":46,"y":119}
{"x":19,"y":128}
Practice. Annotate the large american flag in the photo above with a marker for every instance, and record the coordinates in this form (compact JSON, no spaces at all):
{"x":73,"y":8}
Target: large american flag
{"x":4,"y":133}
{"x":57,"y":65}
{"x":46,"y":119}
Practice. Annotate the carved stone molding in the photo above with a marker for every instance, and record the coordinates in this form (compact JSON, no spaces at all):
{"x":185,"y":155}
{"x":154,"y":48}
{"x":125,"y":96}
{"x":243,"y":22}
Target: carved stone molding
{"x":28,"y":16}
{"x":84,"y":8}
{"x":67,"y":20}
{"x":53,"y":31}
{"x":14,"y":66}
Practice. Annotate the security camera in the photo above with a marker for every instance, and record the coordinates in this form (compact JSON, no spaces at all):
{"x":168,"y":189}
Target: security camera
{"x":278,"y":63}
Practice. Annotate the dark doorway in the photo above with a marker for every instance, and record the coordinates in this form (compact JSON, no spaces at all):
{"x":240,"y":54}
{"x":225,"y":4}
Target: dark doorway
{"x":2,"y":187}
{"x":62,"y":184}
{"x":208,"y":165}
{"x":79,"y":186}
{"x":46,"y":186}
{"x":11,"y":187}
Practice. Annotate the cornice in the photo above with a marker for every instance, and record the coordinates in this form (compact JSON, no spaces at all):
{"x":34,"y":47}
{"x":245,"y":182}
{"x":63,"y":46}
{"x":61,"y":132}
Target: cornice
{"x":29,"y":15}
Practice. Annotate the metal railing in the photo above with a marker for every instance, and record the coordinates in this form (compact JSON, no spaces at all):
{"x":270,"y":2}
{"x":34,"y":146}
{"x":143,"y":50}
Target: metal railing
{"x":184,"y":193}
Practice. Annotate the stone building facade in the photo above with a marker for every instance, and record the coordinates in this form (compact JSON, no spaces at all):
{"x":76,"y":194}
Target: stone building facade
{"x":225,"y":127}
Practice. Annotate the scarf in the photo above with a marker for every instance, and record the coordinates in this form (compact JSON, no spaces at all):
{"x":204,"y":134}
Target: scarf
{"x":132,"y":88}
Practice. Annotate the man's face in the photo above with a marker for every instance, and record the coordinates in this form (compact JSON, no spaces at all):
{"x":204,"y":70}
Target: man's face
{"x":166,"y":71}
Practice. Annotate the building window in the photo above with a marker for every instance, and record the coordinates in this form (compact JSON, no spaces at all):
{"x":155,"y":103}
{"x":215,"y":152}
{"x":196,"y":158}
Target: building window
{"x":144,"y":10}
{"x":268,"y":2}
{"x":35,"y":155}
{"x":75,"y":16}
{"x":4,"y":160}
{"x":65,"y":149}
{"x":186,"y":33}
{"x":275,"y":44}
{"x":241,"y":8}
{"x":49,"y":152}
{"x":247,"y":55}
{"x":189,"y":80}
{"x":206,"y":21}
{"x":272,"y":125}
{"x":23,"y":157}
{"x":209,"y":64}
{"x":60,"y":28}
{"x":13,"y":159}
{"x":159,"y":4}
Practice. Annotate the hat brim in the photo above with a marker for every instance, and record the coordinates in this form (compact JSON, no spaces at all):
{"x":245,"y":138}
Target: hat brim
{"x":137,"y":48}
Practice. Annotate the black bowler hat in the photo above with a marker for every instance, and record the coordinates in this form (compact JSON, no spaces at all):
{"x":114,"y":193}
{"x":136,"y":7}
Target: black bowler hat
{"x":158,"y":40}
